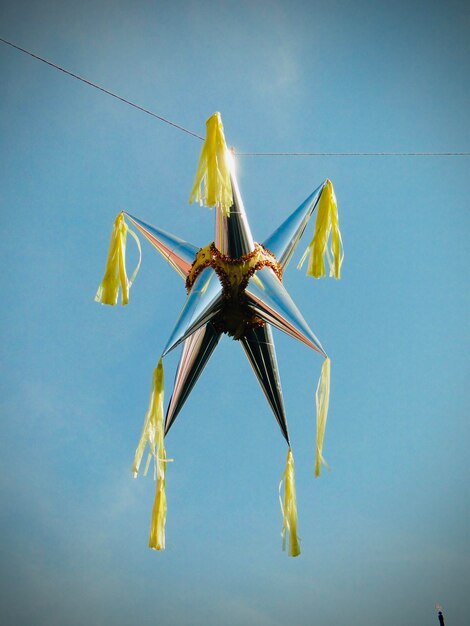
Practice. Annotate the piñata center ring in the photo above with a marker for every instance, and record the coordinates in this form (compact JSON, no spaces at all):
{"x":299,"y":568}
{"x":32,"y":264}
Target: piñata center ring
{"x":236,"y":315}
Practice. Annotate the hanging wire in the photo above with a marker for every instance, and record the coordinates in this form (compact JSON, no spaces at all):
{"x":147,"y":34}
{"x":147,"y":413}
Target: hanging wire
{"x":193,"y":134}
{"x":110,"y":93}
{"x":348,"y":154}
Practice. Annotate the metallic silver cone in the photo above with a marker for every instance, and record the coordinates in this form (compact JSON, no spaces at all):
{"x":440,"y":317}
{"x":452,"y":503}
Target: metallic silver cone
{"x":196,"y":352}
{"x":285,"y":239}
{"x":203,"y":302}
{"x":178,"y":253}
{"x":270,"y":300}
{"x":260,"y":351}
{"x":232,"y":234}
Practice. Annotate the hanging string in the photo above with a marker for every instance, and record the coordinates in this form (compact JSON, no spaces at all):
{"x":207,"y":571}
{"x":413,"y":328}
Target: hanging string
{"x":197,"y":136}
{"x":348,"y":154}
{"x":109,"y":93}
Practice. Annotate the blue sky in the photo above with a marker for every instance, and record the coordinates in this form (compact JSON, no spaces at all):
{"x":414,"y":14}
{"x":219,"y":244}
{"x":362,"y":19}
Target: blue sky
{"x":385,"y":533}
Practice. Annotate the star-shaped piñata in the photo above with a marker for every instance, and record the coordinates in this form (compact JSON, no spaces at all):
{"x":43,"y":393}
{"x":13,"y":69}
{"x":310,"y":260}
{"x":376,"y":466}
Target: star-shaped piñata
{"x":234,"y":287}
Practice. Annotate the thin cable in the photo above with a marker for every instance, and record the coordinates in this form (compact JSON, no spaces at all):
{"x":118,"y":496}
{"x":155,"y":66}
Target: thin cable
{"x":110,"y":93}
{"x":355,"y":154}
{"x":193,"y":134}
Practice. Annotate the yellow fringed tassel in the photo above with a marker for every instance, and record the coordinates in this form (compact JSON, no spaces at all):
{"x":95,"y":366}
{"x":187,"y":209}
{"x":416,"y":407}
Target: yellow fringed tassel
{"x":115,"y":275}
{"x":157,"y":525}
{"x":289,"y":508}
{"x":327,"y":223}
{"x":153,"y":434}
{"x":213,"y":170}
{"x":322,"y":399}
{"x":115,"y":272}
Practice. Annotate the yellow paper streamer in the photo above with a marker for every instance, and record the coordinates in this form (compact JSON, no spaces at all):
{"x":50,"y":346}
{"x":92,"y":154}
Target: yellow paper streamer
{"x":153,"y":434}
{"x":157,"y":525}
{"x":212,"y":185}
{"x":289,"y":508}
{"x":115,"y":275}
{"x":327,"y":223}
{"x":322,"y":399}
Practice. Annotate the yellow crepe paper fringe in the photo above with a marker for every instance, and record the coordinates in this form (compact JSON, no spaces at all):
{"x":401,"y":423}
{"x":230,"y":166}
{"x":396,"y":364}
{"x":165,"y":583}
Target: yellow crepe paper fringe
{"x":153,"y":434}
{"x":322,"y":399}
{"x":327,"y":224}
{"x":289,"y":508}
{"x":157,"y":525}
{"x":212,"y":185}
{"x":115,"y":275}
